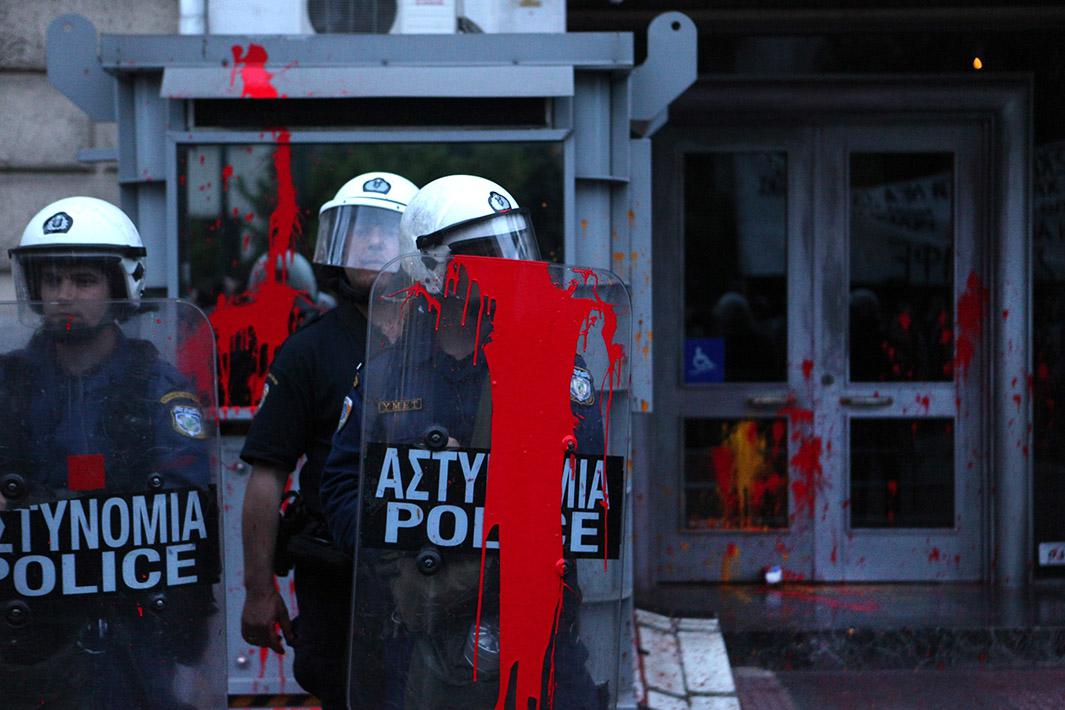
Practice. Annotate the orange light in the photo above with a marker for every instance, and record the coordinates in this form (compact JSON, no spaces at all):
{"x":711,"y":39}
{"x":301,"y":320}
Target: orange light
{"x":978,"y":63}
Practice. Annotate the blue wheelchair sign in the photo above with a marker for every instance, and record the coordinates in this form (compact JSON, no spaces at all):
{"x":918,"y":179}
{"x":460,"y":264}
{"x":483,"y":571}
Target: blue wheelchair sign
{"x":704,"y":360}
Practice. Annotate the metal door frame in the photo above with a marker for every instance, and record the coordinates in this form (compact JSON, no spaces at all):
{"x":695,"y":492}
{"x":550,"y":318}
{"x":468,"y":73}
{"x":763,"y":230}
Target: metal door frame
{"x":1001,"y":105}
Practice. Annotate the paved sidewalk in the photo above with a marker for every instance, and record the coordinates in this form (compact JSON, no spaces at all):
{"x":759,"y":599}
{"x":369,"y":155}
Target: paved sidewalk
{"x":682,"y":664}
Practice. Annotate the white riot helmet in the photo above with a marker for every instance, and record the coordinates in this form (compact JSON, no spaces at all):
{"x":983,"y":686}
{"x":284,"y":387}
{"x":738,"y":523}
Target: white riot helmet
{"x":296,"y":269}
{"x":466,"y":214}
{"x":81,"y":229}
{"x":359,"y":228}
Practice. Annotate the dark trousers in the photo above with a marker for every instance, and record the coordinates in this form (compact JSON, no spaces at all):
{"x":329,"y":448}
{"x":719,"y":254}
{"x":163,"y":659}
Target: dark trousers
{"x":322,"y":629}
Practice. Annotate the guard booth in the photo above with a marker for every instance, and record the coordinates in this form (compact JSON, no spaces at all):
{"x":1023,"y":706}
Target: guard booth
{"x":227,"y":146}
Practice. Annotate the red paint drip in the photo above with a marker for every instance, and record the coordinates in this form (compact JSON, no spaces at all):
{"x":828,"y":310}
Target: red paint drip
{"x":970,"y":322}
{"x":904,"y":320}
{"x":412,"y":292}
{"x":807,"y":369}
{"x":934,"y":555}
{"x":259,"y":321}
{"x":925,"y":401}
{"x":723,"y":460}
{"x":518,"y":503}
{"x":227,"y":173}
{"x":264,"y":654}
{"x":253,"y":75}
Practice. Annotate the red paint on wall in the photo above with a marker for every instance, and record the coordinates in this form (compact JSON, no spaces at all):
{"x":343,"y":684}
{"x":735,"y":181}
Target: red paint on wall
{"x":531,"y":417}
{"x":934,"y":555}
{"x":227,"y":173}
{"x":807,"y":369}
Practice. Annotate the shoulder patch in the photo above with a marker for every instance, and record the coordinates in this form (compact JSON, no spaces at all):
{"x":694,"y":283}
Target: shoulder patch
{"x":178,"y":394}
{"x":581,"y":389}
{"x":345,"y":412}
{"x":187,"y":420}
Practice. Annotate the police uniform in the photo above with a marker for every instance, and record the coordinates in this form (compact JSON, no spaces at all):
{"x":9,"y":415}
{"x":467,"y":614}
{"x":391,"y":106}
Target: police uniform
{"x":138,"y":413}
{"x":297,"y":417}
{"x":429,"y":386}
{"x":134,"y":407}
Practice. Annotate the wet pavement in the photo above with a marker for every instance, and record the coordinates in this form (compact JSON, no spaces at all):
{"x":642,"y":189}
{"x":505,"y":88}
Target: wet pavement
{"x":799,"y":646}
{"x":961,"y":689}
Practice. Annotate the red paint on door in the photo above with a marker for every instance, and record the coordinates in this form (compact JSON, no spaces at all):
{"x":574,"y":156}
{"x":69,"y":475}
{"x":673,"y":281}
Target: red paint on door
{"x":970,"y":323}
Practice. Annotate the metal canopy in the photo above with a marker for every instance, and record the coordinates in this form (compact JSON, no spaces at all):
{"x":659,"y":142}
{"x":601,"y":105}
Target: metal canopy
{"x":379,"y":81}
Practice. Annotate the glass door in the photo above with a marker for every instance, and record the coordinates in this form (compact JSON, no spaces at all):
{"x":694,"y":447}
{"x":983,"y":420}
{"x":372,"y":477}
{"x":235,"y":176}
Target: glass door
{"x":902,"y":302}
{"x":822,"y":407}
{"x":737,"y":393}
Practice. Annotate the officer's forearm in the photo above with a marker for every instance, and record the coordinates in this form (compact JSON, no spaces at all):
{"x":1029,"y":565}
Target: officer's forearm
{"x":259,"y":523}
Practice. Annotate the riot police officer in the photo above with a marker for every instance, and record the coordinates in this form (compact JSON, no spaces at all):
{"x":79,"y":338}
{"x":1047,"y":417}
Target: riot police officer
{"x":429,"y":623}
{"x":88,"y":410}
{"x":357,"y":235}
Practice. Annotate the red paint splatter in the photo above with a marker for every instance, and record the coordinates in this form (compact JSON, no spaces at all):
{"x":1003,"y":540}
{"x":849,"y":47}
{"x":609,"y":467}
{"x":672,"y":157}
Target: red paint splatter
{"x":264,"y":654}
{"x":259,"y":321}
{"x":731,"y":553}
{"x":934,"y":555}
{"x":807,"y":369}
{"x":227,"y":172}
{"x":830,"y":598}
{"x":807,"y":462}
{"x":256,"y":81}
{"x":904,"y":320}
{"x":518,"y":505}
{"x":970,"y":322}
{"x":723,"y":461}
{"x":925,"y":401}
{"x":1017,"y":399}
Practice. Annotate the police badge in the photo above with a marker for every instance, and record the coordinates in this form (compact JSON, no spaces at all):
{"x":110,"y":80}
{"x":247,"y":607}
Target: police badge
{"x":581,"y":390}
{"x":345,"y":412}
{"x":187,"y":421}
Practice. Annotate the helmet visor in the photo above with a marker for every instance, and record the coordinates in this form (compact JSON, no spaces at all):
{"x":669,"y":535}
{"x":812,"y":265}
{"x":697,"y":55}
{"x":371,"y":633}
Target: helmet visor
{"x":507,"y":235}
{"x":357,"y":237}
{"x":42,"y":275}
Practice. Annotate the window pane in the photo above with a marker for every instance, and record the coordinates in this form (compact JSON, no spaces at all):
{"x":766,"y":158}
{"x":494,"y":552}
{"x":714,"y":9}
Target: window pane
{"x":901,"y":267}
{"x":902,"y":473}
{"x":236,"y":203}
{"x":735,"y":287}
{"x":736,"y":473}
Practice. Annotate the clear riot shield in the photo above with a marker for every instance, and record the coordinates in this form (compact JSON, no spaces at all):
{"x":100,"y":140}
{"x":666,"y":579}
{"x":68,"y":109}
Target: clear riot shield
{"x":492,"y":511}
{"x":109,"y":519}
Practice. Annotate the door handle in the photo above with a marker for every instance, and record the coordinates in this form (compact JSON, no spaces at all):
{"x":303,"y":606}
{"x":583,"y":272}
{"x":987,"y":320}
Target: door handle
{"x":874,"y":401}
{"x":768,"y":401}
